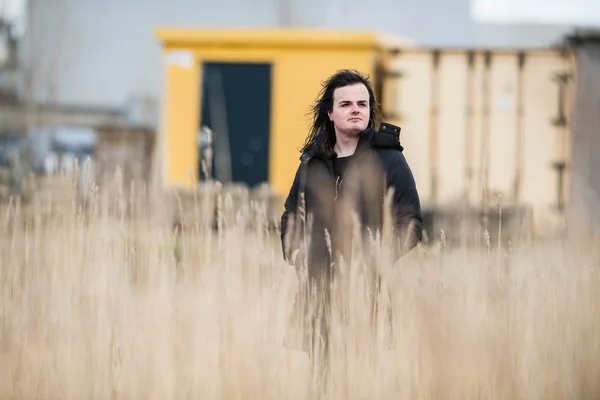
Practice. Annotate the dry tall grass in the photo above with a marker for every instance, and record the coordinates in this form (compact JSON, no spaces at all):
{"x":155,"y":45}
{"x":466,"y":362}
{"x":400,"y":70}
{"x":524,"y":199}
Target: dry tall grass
{"x":107,"y":302}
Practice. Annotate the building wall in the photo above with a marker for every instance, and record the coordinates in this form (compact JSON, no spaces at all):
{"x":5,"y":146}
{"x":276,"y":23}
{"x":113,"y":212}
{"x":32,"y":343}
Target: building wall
{"x":105,"y":53}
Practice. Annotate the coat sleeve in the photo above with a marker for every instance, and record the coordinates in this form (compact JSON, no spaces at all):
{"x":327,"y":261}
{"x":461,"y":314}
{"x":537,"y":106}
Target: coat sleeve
{"x":289,"y":226}
{"x":406,"y":207}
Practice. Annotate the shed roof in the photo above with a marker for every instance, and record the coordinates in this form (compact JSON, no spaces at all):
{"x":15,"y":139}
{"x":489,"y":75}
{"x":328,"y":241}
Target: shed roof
{"x":276,"y":38}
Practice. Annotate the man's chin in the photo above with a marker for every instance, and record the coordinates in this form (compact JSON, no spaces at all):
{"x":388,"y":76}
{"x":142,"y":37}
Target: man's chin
{"x":353,"y":131}
{"x":356,"y":131}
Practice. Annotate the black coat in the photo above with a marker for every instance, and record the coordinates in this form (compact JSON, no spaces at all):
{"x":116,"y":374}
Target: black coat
{"x":325,"y":227}
{"x":377,"y":165}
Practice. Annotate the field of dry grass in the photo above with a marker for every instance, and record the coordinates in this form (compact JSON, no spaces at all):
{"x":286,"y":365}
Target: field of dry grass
{"x":107,"y":302}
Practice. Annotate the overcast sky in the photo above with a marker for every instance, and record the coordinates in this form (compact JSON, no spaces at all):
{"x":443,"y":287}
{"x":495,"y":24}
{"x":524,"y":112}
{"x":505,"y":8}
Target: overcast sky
{"x":562,"y":12}
{"x":12,"y":8}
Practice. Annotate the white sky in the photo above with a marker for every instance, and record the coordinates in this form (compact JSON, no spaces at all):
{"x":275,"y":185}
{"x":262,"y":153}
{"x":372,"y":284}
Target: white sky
{"x":12,"y":9}
{"x":567,"y":12}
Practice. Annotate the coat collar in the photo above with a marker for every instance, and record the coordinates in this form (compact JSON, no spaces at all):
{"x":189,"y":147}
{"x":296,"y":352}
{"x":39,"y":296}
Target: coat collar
{"x":365,"y":141}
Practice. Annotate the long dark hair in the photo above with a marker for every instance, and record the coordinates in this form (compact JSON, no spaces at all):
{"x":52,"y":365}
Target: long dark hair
{"x":322,"y":125}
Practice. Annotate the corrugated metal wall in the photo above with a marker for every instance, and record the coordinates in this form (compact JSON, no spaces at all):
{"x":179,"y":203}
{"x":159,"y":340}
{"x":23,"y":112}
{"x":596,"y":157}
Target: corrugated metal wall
{"x":478,"y":124}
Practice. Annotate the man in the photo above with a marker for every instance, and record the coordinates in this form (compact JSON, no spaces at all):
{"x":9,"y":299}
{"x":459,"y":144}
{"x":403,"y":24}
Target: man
{"x":347,"y":168}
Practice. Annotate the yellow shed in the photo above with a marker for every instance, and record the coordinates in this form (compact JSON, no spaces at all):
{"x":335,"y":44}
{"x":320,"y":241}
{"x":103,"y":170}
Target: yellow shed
{"x":253,"y":89}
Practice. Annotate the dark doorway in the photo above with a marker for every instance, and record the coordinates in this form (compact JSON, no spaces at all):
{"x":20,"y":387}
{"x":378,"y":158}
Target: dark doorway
{"x":236,"y":106}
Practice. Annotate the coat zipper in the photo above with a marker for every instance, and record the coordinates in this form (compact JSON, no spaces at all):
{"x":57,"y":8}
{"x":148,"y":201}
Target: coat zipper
{"x":338,"y":182}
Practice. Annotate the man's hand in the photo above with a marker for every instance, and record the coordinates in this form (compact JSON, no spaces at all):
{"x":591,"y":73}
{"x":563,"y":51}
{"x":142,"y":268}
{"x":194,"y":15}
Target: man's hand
{"x":297,"y":259}
{"x":294,"y":255}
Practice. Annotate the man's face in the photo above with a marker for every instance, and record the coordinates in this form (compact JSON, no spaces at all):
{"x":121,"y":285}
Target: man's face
{"x":350,"y":113}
